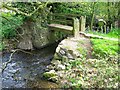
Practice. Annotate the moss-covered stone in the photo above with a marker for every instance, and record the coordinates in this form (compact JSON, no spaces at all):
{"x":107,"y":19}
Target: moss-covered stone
{"x":55,"y":62}
{"x":49,"y":74}
{"x":54,"y":79}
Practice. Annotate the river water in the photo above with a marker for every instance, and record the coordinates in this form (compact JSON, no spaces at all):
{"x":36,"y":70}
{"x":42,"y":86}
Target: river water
{"x":25,"y":70}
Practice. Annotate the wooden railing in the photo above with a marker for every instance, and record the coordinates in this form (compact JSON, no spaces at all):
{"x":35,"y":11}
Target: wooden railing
{"x":69,"y":23}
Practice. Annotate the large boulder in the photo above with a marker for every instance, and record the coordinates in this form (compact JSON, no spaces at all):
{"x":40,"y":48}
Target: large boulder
{"x":67,"y":49}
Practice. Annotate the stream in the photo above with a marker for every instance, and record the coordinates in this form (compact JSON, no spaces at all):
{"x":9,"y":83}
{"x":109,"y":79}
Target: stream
{"x":25,"y":70}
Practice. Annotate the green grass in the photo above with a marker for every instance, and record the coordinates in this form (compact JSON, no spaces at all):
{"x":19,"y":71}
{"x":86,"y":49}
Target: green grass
{"x":82,"y":51}
{"x":101,"y":72}
{"x":104,"y":48}
{"x":114,"y":33}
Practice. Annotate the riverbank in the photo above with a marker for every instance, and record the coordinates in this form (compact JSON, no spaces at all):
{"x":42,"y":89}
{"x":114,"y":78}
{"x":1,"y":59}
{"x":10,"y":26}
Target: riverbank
{"x":75,"y":65}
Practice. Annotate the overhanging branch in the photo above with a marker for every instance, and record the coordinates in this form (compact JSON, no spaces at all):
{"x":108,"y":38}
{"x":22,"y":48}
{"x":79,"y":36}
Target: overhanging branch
{"x":15,"y":9}
{"x":23,"y":13}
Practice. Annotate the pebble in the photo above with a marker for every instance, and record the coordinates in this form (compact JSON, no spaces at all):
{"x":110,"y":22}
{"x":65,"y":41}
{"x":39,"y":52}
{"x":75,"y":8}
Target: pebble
{"x":61,"y":67}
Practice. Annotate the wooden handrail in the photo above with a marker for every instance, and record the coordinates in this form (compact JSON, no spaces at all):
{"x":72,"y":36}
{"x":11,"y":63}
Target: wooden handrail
{"x":61,"y":21}
{"x":73,"y":30}
{"x":57,"y":15}
{"x":77,"y":23}
{"x":65,"y":15}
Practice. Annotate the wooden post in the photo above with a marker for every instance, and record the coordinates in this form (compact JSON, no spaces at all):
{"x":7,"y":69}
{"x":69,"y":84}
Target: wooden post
{"x":82,"y":23}
{"x":105,"y":29}
{"x":116,"y":24}
{"x":111,"y":27}
{"x":76,"y":27}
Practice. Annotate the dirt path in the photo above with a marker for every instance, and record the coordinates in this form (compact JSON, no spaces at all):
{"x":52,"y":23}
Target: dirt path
{"x":97,"y":36}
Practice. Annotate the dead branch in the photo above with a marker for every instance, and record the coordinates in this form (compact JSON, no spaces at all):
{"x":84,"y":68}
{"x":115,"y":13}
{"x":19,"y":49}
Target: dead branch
{"x":10,"y":58}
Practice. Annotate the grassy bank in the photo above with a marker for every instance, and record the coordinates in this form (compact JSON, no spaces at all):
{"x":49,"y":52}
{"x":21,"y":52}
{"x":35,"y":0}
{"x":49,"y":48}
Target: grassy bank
{"x":104,"y":48}
{"x":101,"y":71}
{"x":114,"y":33}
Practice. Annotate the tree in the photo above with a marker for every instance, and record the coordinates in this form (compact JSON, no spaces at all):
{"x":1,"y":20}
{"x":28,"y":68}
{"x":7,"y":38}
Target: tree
{"x":31,"y":12}
{"x":93,"y":15}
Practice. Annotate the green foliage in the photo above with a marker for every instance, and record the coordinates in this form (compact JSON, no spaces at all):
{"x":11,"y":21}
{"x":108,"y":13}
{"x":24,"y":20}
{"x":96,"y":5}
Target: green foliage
{"x":9,"y":24}
{"x":73,"y":8}
{"x":106,"y":71}
{"x":101,"y":72}
{"x":100,"y":10}
{"x":91,"y":73}
{"x":1,"y":46}
{"x":26,"y":7}
{"x":114,"y":33}
{"x":75,"y":81}
{"x":49,"y":74}
{"x":104,"y":48}
{"x":75,"y":63}
{"x":82,"y":51}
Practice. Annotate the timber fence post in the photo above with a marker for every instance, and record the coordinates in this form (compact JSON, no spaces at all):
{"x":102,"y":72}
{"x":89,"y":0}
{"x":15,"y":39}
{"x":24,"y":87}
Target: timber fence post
{"x":82,"y":23}
{"x":76,"y":27}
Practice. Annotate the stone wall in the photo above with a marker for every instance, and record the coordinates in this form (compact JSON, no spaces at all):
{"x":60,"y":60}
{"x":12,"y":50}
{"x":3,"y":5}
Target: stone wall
{"x":37,"y":34}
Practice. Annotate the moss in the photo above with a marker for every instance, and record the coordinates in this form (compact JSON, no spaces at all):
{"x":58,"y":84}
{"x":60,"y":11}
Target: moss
{"x":48,"y":75}
{"x":82,"y":51}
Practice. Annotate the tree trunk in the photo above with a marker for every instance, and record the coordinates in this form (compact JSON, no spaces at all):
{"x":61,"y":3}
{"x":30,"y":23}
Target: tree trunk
{"x":82,"y":23}
{"x":26,"y":41}
{"x":118,"y":15}
{"x":93,"y":15}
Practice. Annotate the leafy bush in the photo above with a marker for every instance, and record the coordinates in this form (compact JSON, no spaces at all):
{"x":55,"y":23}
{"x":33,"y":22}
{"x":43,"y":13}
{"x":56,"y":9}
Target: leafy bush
{"x":9,"y":24}
{"x":104,"y":48}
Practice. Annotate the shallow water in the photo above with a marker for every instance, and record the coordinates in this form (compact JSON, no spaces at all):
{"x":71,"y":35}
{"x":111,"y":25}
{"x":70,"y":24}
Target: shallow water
{"x":25,"y":70}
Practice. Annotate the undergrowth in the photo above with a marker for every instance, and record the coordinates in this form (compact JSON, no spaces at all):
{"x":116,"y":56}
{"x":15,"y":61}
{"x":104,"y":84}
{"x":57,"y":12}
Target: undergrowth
{"x":9,"y":24}
{"x":92,"y":73}
{"x":100,"y":72}
{"x":114,"y":33}
{"x":104,"y":48}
